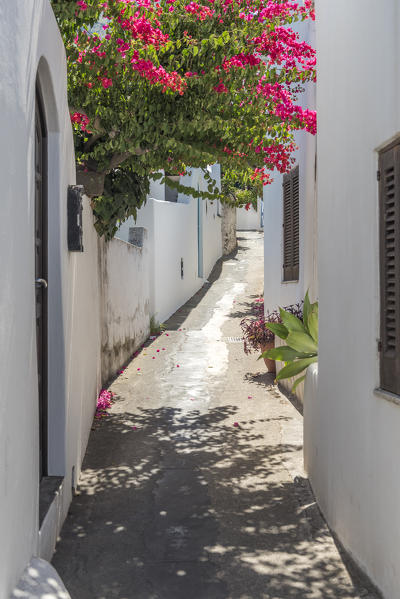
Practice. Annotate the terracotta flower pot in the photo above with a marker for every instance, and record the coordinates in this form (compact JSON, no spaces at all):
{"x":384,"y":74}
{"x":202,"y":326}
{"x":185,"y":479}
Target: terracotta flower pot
{"x":270,"y":364}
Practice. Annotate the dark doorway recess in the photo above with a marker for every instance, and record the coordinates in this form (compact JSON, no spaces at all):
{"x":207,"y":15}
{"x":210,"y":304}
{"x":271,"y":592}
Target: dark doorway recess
{"x":41,"y":274}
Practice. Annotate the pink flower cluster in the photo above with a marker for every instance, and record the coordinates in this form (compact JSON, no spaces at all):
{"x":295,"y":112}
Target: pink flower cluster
{"x":279,"y":101}
{"x":240,"y":61}
{"x":158,"y":75}
{"x":282,"y":47}
{"x":202,"y":12}
{"x":80,"y":119}
{"x":221,"y":88}
{"x":104,"y":402}
{"x":142,"y":29}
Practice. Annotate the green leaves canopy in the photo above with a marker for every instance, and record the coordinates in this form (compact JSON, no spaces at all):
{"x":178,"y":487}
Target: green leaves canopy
{"x":170,"y":84}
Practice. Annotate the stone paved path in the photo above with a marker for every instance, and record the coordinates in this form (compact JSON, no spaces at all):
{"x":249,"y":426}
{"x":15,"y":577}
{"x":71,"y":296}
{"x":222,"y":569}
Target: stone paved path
{"x":188,"y":506}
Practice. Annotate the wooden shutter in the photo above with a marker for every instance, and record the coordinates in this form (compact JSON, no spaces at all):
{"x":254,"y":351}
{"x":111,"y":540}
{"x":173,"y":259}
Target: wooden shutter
{"x":291,"y":225}
{"x":389,"y":208}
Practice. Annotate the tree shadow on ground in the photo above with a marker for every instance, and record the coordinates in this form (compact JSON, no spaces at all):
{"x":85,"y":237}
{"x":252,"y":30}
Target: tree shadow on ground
{"x":246,"y":309}
{"x":262,"y":379}
{"x":186,"y":506}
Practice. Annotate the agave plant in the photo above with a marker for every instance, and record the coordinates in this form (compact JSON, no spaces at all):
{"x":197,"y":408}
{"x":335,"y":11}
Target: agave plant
{"x":301,"y":338}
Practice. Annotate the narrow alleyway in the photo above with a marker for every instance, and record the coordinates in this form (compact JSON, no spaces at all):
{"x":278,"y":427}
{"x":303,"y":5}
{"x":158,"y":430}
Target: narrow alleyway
{"x":176,"y":501}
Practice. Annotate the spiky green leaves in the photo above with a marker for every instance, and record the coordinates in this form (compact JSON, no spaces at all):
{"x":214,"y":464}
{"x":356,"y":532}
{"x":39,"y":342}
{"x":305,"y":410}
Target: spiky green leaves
{"x":301,"y":338}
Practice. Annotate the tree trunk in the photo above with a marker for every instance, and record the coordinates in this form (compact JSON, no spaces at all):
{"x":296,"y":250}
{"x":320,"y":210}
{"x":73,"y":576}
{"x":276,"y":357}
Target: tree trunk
{"x":92,"y":181}
{"x":228,"y":228}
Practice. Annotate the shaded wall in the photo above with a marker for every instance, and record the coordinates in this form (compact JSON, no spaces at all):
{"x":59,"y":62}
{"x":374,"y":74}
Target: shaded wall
{"x":124,"y":293}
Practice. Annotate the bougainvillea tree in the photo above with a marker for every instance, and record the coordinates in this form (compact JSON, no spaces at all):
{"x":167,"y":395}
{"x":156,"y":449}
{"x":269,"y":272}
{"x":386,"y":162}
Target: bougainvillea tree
{"x":167,"y":84}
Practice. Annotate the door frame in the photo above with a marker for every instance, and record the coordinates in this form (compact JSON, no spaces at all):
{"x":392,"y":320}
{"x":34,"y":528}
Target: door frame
{"x":42,"y":351}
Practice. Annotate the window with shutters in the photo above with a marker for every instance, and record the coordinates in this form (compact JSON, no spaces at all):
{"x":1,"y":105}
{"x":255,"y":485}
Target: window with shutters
{"x":389,"y":228}
{"x":291,"y":223}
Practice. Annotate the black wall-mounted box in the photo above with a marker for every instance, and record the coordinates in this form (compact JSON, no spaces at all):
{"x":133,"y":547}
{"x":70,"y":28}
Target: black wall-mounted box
{"x":75,"y":224}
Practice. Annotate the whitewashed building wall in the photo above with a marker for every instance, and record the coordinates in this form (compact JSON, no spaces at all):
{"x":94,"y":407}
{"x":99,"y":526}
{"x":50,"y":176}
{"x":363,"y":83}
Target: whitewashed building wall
{"x":31,"y":47}
{"x":30,"y":43}
{"x":352,"y":440}
{"x":276,"y":291}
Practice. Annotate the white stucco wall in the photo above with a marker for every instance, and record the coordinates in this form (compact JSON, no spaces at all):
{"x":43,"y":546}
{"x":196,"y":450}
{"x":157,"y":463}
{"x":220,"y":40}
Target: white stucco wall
{"x":249,"y":220}
{"x":277,"y":292}
{"x":124,"y":285}
{"x":355,"y":473}
{"x":30,"y":43}
{"x":172,"y":236}
{"x":30,"y":40}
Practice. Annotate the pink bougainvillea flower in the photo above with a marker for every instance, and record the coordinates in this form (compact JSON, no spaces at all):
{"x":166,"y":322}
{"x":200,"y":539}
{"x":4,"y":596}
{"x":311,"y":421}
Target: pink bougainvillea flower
{"x":163,"y":348}
{"x":177,"y":365}
{"x":236,"y":424}
{"x":167,"y":334}
{"x":138,"y":368}
{"x":134,"y":428}
{"x":158,"y":350}
{"x":249,"y":397}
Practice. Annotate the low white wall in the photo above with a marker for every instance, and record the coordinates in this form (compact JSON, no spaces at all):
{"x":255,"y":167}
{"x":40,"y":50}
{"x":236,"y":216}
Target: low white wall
{"x":173,"y":230}
{"x":249,"y":220}
{"x":124,"y":293}
{"x":355,"y":474}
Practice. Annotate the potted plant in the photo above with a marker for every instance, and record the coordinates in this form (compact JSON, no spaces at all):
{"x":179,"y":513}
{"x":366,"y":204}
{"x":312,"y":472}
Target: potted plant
{"x":257,"y":336}
{"x":301,"y":336}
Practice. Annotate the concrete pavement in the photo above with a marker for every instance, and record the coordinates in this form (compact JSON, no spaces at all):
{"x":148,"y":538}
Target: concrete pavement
{"x":176,"y":502}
